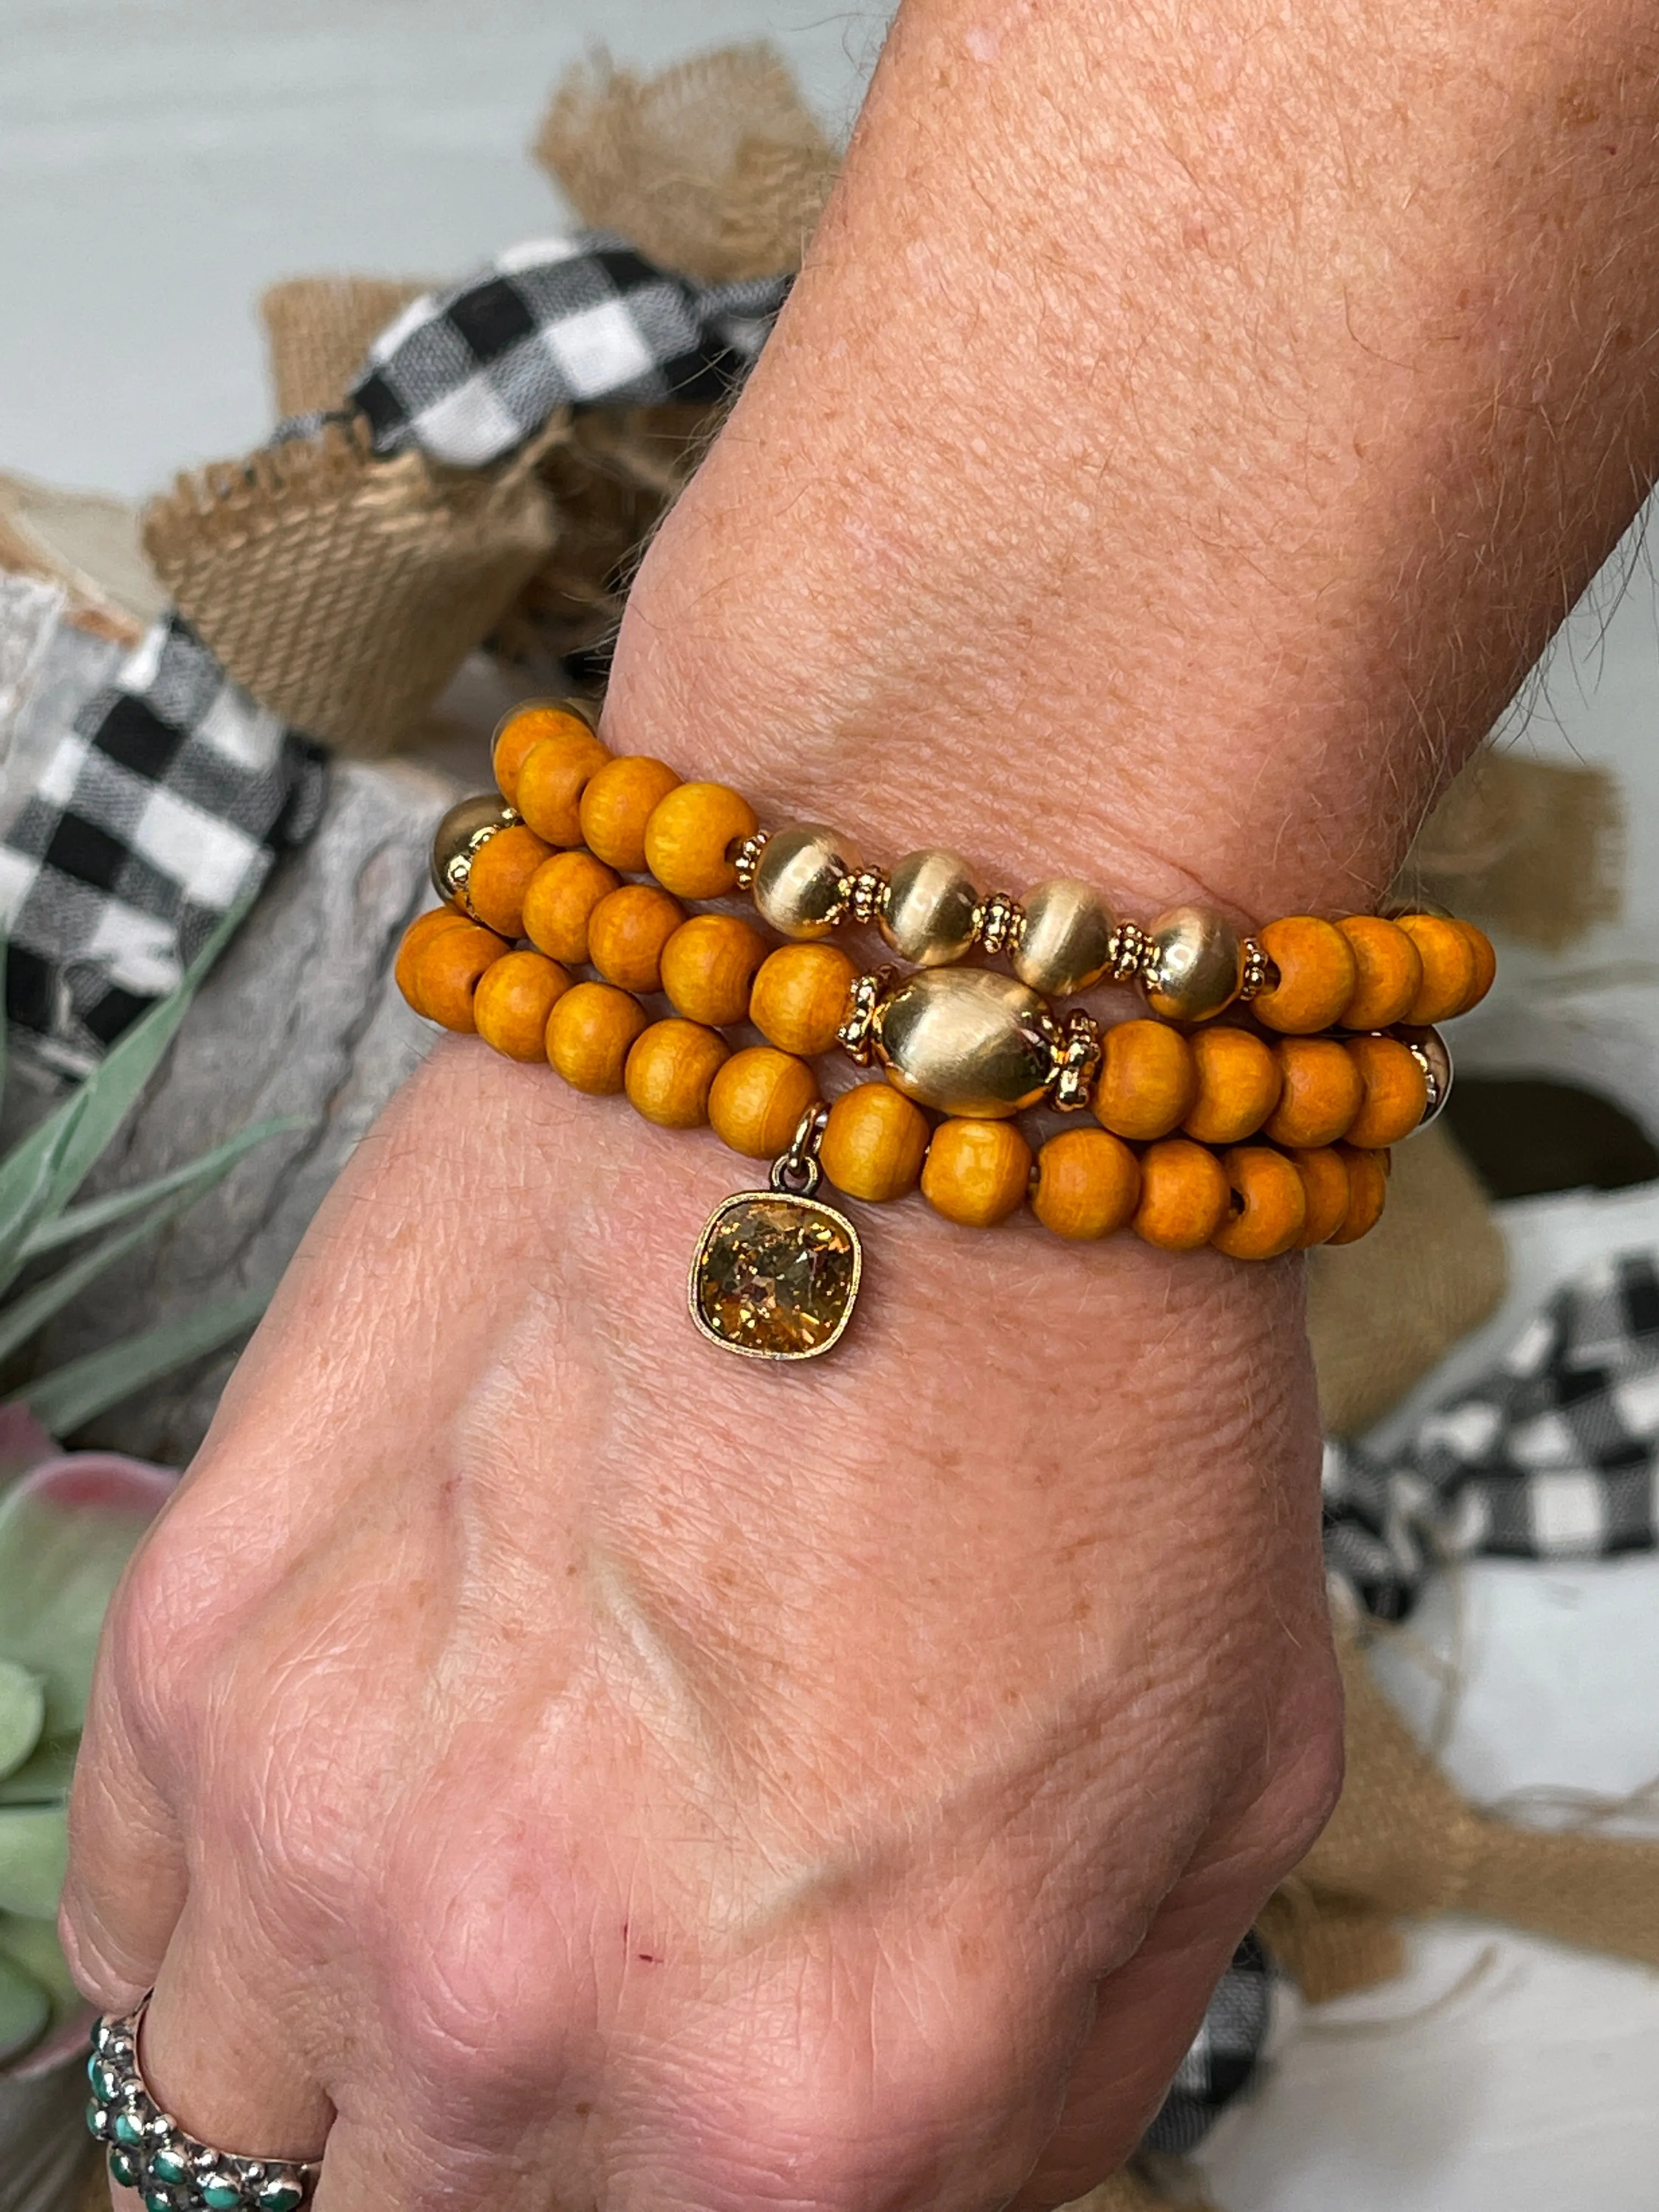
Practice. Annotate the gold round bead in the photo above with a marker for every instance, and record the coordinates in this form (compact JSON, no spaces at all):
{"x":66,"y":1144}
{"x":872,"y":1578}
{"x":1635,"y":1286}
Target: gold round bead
{"x":1066,"y":944}
{"x":966,"y":1041}
{"x":1433,"y":1055}
{"x":1196,"y":966}
{"x":468,"y":825}
{"x":802,"y":879}
{"x":932,"y":903}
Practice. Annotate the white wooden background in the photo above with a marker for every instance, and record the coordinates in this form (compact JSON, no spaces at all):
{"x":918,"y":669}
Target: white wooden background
{"x":162,"y":160}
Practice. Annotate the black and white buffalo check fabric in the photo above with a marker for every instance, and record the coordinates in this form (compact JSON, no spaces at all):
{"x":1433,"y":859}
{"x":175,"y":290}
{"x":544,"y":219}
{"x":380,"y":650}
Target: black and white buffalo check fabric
{"x":468,"y":375}
{"x":1555,"y":1455}
{"x":160,"y":808}
{"x":1225,"y":2055}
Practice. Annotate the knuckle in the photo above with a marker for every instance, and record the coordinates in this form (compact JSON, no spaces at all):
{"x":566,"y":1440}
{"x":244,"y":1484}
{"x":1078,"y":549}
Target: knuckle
{"x":1306,"y":1780}
{"x":100,"y":1968}
{"x":864,"y":2115}
{"x":477,"y":2033}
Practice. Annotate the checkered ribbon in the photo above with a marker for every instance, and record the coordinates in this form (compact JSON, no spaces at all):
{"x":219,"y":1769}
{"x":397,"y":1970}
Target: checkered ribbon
{"x":167,"y":802}
{"x":1555,"y":1455}
{"x":468,"y":375}
{"x":1225,"y":2055}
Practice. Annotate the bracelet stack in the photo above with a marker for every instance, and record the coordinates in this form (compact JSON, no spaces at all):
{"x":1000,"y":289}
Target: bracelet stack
{"x":1258,"y":1132}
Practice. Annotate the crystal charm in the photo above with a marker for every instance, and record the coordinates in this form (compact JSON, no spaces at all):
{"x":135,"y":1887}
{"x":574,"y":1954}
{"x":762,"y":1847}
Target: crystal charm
{"x":775,"y":1276}
{"x":776,"y":1272}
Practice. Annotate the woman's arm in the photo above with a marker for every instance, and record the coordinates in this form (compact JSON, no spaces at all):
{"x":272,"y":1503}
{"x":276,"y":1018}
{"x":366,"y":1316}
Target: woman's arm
{"x":589,"y":1769}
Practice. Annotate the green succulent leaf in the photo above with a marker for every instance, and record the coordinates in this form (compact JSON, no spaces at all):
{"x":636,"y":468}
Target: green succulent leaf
{"x":33,"y":1859}
{"x":197,"y":1175}
{"x":25,"y":2009}
{"x":45,"y":1775}
{"x":28,"y":1179}
{"x":61,"y":1555}
{"x":75,"y":1135}
{"x":34,"y":1946}
{"x":20,"y":1319}
{"x":22,"y":1714}
{"x":78,"y":1392}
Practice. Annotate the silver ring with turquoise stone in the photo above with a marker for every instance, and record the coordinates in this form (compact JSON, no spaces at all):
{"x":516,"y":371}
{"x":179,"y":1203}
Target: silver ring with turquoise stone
{"x":149,"y":2151}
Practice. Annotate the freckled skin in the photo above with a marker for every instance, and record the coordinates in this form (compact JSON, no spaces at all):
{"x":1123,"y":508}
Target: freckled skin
{"x":586,"y":1770}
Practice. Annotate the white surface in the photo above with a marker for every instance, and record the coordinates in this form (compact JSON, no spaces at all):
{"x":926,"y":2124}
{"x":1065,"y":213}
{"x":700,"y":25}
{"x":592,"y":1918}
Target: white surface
{"x":160,"y":160}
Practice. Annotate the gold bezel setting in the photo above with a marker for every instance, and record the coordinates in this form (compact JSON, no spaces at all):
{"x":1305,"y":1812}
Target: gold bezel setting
{"x":784,"y":1202}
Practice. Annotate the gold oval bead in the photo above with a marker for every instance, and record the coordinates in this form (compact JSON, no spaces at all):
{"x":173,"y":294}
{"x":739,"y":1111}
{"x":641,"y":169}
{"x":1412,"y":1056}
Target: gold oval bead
{"x":1065,"y":943}
{"x":1196,"y":967}
{"x":932,"y":900}
{"x":469,"y":823}
{"x":801,"y":877}
{"x":966,"y":1041}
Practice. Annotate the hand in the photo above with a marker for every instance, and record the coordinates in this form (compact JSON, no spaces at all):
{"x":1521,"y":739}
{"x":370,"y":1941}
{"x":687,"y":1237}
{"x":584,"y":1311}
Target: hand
{"x":582,"y":1766}
{"x":599,"y":1771}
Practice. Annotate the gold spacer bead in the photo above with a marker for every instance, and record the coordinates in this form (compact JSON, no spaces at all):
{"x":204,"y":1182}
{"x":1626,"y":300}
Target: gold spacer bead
{"x":865,"y":894}
{"x":746,"y":858}
{"x":998,"y":923}
{"x":1077,"y":1061}
{"x":1259,"y":973}
{"x":855,"y":1033}
{"x":1131,"y":949}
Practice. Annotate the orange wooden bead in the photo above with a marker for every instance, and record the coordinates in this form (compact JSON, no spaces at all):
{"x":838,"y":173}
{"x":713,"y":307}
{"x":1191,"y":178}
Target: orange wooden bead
{"x":515,"y":995}
{"x":1088,"y":1184}
{"x":502,"y":869}
{"x":1396,"y":1092}
{"x":627,"y":932}
{"x":552,"y":777}
{"x":709,"y":967}
{"x":874,"y":1142}
{"x":1317,"y":973}
{"x":590,"y":1033}
{"x":1268,"y":1205}
{"x":1368,"y":1192}
{"x":420,"y":932}
{"x":559,"y":903}
{"x":1147,"y":1081}
{"x":1323,"y":1090}
{"x":518,"y":732}
{"x":1450,"y":967}
{"x":670,"y":1072}
{"x":446,"y":971}
{"x":1390,"y":972}
{"x":689,"y":837}
{"x":800,"y":998}
{"x":976,"y":1172}
{"x":1324,"y":1175}
{"x":757,"y":1098}
{"x":1183,"y":1195}
{"x":1238,"y":1086}
{"x":1485,"y":965}
{"x":617,"y":805}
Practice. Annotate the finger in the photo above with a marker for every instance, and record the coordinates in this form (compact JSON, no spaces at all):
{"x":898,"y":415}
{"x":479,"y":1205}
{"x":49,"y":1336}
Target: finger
{"x":127,"y":1882}
{"x":231,"y":2040}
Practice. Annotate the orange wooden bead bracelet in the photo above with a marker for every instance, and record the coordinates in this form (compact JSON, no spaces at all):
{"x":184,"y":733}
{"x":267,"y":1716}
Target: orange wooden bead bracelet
{"x":1254,"y":1135}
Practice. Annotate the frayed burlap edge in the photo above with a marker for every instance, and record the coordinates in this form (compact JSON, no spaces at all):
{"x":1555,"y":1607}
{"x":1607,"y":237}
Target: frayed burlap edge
{"x":318,"y":331}
{"x":1534,"y":848}
{"x":1381,"y":1313}
{"x":716,"y":167}
{"x":342,"y":591}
